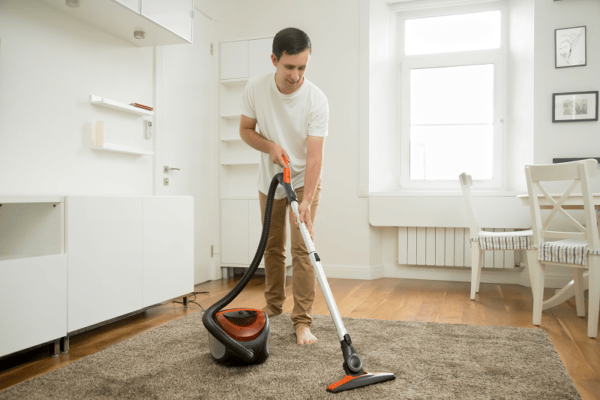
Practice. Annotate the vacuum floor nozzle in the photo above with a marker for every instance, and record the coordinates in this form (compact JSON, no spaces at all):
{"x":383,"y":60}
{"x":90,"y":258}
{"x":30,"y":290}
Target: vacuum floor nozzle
{"x":353,"y":382}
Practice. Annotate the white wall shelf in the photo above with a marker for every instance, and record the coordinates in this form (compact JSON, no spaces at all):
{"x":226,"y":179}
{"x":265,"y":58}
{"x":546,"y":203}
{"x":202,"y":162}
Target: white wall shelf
{"x":234,"y":82}
{"x":118,"y":148}
{"x":231,"y":116}
{"x":233,"y":163}
{"x":231,"y":139}
{"x":101,"y":101}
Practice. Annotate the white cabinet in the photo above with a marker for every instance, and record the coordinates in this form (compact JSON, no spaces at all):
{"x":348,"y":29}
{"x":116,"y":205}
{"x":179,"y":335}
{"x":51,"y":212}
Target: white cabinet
{"x":134,"y":5}
{"x":33,"y":272}
{"x":241,"y":230}
{"x":234,"y":60}
{"x":234,"y":232}
{"x":259,"y":56}
{"x":33,"y":301}
{"x":246,"y":58}
{"x":174,"y":15}
{"x":104,"y":248}
{"x":88,"y":260}
{"x":168,"y":248}
{"x":241,"y":224}
{"x":126,"y":253}
{"x":163,"y":22}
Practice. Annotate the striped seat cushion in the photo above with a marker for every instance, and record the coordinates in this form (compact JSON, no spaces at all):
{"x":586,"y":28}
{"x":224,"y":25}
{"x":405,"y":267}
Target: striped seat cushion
{"x":565,"y":251}
{"x":520,"y":240}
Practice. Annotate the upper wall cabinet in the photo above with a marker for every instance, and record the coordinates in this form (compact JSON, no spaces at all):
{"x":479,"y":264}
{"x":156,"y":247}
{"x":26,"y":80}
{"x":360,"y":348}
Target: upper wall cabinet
{"x":246,"y":58}
{"x":163,"y":23}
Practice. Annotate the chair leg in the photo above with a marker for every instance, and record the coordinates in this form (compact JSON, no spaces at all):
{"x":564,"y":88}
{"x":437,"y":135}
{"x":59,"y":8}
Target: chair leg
{"x":479,"y":272}
{"x":594,"y":299}
{"x":578,"y":286}
{"x":536,"y":271}
{"x":476,"y":258}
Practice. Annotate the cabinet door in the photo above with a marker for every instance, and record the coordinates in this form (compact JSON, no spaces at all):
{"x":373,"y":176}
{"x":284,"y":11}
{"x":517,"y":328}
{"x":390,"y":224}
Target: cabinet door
{"x":259,"y":56}
{"x":234,"y":60}
{"x":33,"y":301}
{"x":168,"y":248}
{"x":174,"y":15}
{"x":131,"y":4}
{"x":104,"y":252}
{"x":255,"y":227}
{"x":234,"y":232}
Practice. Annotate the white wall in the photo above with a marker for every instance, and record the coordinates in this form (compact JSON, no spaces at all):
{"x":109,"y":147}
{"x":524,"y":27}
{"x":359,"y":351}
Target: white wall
{"x":50,"y":64}
{"x":342,"y":228}
{"x":576,"y":139}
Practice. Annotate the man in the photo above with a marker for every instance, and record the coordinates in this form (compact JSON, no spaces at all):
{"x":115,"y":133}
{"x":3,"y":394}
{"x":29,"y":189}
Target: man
{"x":292,"y":115}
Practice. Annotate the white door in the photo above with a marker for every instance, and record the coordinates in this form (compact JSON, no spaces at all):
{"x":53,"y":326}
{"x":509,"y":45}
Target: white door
{"x":186,"y":135}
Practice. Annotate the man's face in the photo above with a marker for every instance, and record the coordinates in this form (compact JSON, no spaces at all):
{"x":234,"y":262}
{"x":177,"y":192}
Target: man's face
{"x":290,"y":70}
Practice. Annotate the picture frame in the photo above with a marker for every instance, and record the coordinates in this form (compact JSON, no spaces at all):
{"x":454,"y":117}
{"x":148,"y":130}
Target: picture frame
{"x":575,"y":106}
{"x":570,"y":47}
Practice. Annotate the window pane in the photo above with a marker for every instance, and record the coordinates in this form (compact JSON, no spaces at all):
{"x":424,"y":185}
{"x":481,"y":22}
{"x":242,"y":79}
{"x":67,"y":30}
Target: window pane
{"x":453,"y":95}
{"x":452,"y":33}
{"x":444,"y":152}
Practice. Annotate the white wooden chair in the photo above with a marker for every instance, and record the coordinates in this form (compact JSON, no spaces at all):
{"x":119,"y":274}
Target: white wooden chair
{"x":579,"y":250}
{"x":482,"y":240}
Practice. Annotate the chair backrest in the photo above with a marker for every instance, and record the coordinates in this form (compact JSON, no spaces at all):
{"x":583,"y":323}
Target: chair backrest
{"x":465,"y":183}
{"x":579,"y":172}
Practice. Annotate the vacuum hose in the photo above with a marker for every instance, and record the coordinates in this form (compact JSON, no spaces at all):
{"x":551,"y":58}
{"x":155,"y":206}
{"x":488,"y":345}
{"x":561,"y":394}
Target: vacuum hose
{"x":209,"y":319}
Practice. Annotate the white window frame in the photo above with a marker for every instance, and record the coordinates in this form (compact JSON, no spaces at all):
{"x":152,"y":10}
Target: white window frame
{"x":497,"y":57}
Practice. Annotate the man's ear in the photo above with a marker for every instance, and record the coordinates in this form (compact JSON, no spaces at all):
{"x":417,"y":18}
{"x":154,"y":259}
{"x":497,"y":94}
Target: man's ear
{"x":274,"y":60}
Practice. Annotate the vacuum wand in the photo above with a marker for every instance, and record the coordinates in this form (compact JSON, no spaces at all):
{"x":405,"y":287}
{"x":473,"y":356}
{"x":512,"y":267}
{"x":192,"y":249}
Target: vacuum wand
{"x":353,"y":365}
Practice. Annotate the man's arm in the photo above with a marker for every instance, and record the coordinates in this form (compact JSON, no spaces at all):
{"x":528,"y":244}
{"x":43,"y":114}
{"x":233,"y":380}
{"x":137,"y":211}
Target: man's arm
{"x":314,"y":164}
{"x":256,"y":141}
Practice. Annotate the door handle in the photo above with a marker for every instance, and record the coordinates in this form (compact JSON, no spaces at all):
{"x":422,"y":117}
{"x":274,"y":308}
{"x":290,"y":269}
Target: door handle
{"x":167,"y":169}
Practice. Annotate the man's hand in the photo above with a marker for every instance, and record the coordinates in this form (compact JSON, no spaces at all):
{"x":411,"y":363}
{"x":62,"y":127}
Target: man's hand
{"x":304,"y":210}
{"x":276,"y":152}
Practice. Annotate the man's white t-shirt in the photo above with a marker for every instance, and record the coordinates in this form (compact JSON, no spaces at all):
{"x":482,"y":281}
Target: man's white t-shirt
{"x":287,"y":120}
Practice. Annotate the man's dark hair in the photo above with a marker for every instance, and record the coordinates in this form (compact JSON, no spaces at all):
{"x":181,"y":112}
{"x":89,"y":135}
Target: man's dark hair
{"x":291,"y":41}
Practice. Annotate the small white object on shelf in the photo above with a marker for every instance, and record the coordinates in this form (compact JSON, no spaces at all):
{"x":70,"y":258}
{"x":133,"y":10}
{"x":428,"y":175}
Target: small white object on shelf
{"x":119,"y":148}
{"x":101,"y":101}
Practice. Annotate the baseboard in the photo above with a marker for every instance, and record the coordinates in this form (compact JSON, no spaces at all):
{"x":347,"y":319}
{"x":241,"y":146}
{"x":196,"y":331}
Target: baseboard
{"x":366,"y":272}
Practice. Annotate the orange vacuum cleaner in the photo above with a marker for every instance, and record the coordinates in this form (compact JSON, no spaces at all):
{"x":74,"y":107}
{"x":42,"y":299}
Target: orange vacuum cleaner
{"x":241,"y":336}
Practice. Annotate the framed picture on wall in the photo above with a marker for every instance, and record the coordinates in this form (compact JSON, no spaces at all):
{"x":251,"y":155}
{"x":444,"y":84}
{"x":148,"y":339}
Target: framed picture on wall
{"x":575,"y":107}
{"x":570,"y":49}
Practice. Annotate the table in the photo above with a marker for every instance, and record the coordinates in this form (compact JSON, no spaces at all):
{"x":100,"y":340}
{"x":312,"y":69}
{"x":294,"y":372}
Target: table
{"x":573,"y":202}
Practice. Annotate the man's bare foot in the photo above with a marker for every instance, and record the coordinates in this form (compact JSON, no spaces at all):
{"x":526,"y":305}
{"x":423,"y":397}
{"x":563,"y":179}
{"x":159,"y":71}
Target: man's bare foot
{"x":304,"y":335}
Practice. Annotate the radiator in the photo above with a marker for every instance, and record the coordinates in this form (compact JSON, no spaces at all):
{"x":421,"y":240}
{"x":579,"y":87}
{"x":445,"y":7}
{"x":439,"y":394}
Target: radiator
{"x":447,"y":247}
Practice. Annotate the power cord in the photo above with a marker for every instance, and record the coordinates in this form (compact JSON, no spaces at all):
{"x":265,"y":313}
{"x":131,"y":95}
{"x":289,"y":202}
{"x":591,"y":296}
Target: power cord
{"x":192,"y":300}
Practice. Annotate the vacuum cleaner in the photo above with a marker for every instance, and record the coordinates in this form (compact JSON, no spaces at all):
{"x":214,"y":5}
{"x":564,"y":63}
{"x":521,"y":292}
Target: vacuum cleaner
{"x":240,"y":336}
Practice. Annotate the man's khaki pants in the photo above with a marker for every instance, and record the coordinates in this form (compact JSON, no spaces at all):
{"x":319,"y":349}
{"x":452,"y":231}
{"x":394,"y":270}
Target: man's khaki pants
{"x":304,"y":280}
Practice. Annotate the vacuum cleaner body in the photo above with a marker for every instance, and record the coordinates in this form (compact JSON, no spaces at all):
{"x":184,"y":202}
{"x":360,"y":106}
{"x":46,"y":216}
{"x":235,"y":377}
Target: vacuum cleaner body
{"x":248,"y":327}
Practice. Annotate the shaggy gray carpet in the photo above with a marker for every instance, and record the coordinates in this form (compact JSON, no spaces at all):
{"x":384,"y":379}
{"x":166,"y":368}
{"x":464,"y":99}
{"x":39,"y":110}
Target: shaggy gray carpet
{"x":430,"y":360}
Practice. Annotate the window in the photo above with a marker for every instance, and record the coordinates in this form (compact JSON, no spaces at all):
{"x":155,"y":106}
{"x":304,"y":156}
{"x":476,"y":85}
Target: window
{"x":452,"y":93}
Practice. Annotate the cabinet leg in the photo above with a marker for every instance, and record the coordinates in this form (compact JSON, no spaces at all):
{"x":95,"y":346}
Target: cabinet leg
{"x":55,"y":348}
{"x":64,"y":344}
{"x":185,"y":301}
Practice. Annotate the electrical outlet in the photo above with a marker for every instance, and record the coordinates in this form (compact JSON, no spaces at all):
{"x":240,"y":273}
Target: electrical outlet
{"x":166,"y":181}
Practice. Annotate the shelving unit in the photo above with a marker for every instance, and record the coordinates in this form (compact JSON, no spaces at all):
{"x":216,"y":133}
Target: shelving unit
{"x":118,"y":148}
{"x":115,"y":105}
{"x":114,"y":147}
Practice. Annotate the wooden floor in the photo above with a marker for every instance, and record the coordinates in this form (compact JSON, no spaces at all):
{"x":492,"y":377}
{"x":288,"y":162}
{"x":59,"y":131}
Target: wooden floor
{"x":387,"y":298}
